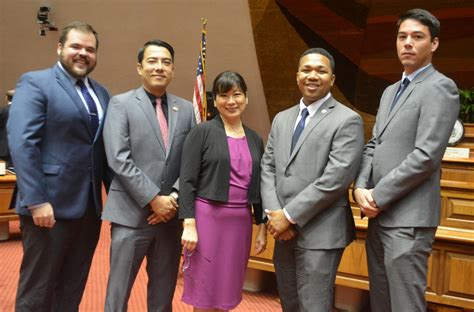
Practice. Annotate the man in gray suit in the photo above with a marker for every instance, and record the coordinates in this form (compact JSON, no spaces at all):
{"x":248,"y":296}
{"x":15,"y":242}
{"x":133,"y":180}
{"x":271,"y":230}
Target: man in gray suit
{"x":398,"y":186}
{"x":144,"y":133}
{"x":312,"y":155}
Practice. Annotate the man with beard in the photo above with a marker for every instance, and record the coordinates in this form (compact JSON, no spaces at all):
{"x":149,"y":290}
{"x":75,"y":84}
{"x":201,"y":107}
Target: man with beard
{"x":55,"y":136}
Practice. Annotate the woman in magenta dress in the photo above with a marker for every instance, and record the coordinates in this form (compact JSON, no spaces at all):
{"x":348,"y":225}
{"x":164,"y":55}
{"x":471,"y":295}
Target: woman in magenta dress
{"x":219,"y":184}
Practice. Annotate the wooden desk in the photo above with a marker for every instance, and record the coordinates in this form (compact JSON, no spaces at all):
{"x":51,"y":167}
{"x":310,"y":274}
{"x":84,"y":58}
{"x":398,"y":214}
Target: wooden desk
{"x":451,"y":265}
{"x":7,"y":185}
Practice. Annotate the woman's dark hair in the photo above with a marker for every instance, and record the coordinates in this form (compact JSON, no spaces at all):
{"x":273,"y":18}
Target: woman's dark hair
{"x":225,"y":81}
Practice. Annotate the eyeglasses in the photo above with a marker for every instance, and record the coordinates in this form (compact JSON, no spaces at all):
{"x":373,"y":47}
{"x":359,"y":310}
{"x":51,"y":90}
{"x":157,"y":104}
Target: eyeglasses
{"x":187,"y":259}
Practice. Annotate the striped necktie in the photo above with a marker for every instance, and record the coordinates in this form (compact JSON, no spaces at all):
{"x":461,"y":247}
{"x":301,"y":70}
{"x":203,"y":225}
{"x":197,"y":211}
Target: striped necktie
{"x":93,"y":113}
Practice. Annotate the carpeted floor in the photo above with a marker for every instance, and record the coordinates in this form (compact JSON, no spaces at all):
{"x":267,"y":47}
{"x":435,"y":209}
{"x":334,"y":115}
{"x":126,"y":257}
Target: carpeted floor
{"x":93,"y":300}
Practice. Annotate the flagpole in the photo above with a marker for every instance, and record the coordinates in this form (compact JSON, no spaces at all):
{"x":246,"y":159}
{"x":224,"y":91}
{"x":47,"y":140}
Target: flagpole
{"x":204,"y":104}
{"x":199,"y":95}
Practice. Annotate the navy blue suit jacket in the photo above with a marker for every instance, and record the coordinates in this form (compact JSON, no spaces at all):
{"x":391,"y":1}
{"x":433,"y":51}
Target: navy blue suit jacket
{"x":57,"y":158}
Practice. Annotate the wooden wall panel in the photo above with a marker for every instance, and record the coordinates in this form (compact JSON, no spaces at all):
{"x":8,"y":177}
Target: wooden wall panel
{"x":5,"y":197}
{"x":459,"y":274}
{"x":354,"y":260}
{"x":433,"y":271}
{"x":457,"y":209}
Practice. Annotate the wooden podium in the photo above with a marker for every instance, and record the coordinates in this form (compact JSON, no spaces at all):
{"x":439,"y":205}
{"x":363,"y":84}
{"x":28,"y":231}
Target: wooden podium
{"x":451,"y":265}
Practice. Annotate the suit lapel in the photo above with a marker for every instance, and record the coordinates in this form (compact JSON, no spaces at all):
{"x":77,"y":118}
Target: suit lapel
{"x":66,"y":84}
{"x":289,"y":127}
{"x":389,"y":116}
{"x":102,"y":99}
{"x":103,"y":103}
{"x":173,"y":111}
{"x":150,"y":115}
{"x":322,"y":112}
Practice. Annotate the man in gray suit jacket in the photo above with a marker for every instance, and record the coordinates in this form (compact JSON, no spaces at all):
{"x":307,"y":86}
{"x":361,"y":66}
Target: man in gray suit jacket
{"x":398,"y":186}
{"x":55,"y":137}
{"x":304,"y":186}
{"x":144,"y":133}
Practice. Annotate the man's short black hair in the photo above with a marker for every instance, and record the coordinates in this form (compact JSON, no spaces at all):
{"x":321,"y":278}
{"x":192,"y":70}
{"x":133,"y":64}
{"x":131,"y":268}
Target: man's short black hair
{"x":424,"y":17}
{"x":322,"y":52}
{"x":155,"y":42}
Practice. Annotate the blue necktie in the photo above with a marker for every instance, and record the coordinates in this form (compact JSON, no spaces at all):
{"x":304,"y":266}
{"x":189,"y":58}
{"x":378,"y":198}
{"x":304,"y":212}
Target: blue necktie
{"x":402,"y":88}
{"x":93,"y":114}
{"x":299,"y":128}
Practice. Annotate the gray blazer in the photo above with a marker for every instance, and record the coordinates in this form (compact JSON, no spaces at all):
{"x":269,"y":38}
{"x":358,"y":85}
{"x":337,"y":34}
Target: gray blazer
{"x":312,"y":182}
{"x":402,"y":160}
{"x":135,"y":151}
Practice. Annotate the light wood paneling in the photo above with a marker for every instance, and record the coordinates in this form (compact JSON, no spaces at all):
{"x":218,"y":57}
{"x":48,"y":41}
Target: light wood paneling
{"x":457,"y":205}
{"x":7,"y":184}
{"x":5,"y":197}
{"x":459,"y":274}
{"x":433,"y":269}
{"x":460,"y":210}
{"x":354,"y":259}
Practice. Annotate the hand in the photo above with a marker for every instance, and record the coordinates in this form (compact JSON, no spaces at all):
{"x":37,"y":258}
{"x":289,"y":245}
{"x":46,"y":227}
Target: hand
{"x":154,"y":219}
{"x":290,"y":233}
{"x":261,"y":239}
{"x":43,"y":216}
{"x":366,"y":202}
{"x":189,"y":238}
{"x":277,"y":222}
{"x":164,"y":207}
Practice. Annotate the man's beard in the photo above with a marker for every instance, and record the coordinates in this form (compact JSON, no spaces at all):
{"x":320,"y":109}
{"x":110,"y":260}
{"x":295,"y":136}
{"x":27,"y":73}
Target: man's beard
{"x":74,"y":71}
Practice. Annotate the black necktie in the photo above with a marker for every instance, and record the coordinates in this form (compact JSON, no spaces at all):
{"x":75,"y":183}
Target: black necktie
{"x":402,"y":88}
{"x":93,"y":114}
{"x":299,"y":128}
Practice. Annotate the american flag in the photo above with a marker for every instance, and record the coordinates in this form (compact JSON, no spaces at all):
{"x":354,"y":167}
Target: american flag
{"x":199,"y":96}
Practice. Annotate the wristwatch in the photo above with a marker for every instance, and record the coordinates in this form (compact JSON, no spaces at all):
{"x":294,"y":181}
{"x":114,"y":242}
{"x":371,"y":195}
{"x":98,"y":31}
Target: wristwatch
{"x":174,"y":195}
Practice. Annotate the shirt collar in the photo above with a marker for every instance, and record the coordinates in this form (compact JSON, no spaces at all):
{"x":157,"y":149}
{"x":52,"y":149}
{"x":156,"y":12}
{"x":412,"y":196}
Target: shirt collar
{"x":164,"y":100}
{"x":415,"y":73}
{"x":71,"y":77}
{"x":313,"y":107}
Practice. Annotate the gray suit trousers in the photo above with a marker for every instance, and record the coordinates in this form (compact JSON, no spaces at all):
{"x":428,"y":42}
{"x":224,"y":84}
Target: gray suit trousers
{"x":305,"y":277}
{"x":398,"y":262}
{"x":161,"y":245}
